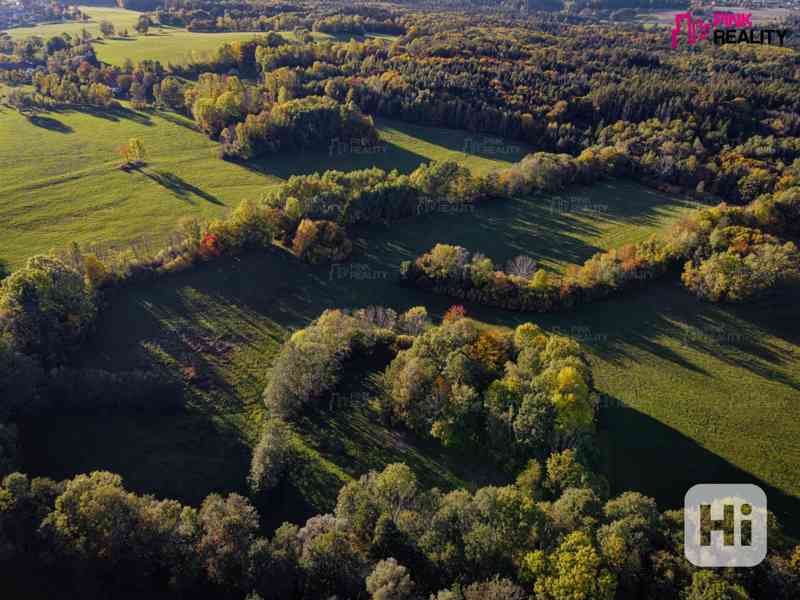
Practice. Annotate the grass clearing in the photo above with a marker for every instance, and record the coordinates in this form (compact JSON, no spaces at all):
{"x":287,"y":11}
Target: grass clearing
{"x":165,"y":44}
{"x":61,"y":182}
{"x":249,"y":305}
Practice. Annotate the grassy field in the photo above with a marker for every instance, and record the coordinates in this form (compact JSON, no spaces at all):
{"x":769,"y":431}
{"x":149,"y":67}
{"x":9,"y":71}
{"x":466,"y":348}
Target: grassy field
{"x":165,"y":44}
{"x":694,"y":392}
{"x":237,"y":312}
{"x":61,"y":181}
{"x":122,"y":19}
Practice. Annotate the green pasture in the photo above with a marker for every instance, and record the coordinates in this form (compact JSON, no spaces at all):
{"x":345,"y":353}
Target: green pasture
{"x":61,"y":180}
{"x":669,"y":375}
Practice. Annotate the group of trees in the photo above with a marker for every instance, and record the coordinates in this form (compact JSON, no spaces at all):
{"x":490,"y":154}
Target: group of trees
{"x":46,"y":308}
{"x":454,"y":271}
{"x":550,"y":535}
{"x":340,"y":17}
{"x":515,"y":395}
{"x":249,"y":122}
{"x":560,"y":86}
{"x":731,"y":257}
{"x":373,"y":195}
{"x":310,"y":363}
{"x":731,"y":253}
{"x":31,"y":12}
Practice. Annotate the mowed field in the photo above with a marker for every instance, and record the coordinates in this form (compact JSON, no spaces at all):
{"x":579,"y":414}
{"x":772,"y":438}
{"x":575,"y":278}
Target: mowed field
{"x":61,"y":180}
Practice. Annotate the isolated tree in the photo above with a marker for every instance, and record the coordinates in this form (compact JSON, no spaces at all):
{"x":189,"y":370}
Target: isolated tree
{"x":107,"y":28}
{"x":133,"y":153}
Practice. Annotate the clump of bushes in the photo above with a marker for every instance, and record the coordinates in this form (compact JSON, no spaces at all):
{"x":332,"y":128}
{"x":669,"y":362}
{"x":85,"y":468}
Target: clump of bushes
{"x":46,"y":308}
{"x":321,"y":242}
{"x":454,"y":271}
{"x":310,"y":363}
{"x":270,"y":456}
{"x":515,"y":394}
{"x":740,"y":264}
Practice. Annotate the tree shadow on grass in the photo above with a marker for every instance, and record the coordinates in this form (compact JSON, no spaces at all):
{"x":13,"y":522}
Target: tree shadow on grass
{"x":648,"y":456}
{"x":183,"y":456}
{"x":175,"y":120}
{"x":180,"y":187}
{"x":113,"y":114}
{"x":50,"y":124}
{"x":482,"y":145}
{"x":254,"y":302}
{"x":307,"y":162}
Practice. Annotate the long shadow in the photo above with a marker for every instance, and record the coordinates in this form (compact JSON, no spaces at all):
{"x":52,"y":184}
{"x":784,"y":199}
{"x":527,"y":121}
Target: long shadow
{"x":484,"y":145}
{"x":175,"y":120}
{"x":659,"y":461}
{"x":387,"y":156}
{"x":180,"y":187}
{"x":114,"y":114}
{"x":50,"y":124}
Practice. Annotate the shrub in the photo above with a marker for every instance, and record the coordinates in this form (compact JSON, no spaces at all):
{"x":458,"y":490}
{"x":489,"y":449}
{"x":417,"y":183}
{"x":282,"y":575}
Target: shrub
{"x":270,"y":456}
{"x":310,"y":363}
{"x":389,"y":581}
{"x":46,"y":308}
{"x":321,"y":241}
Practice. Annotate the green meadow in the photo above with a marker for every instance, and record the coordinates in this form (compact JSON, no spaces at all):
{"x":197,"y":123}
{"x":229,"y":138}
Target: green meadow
{"x":685,"y":384}
{"x":165,"y":44}
{"x":62,"y":183}
{"x":652,"y":350}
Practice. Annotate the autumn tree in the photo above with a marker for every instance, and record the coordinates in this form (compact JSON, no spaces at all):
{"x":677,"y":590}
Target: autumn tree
{"x":133,"y":154}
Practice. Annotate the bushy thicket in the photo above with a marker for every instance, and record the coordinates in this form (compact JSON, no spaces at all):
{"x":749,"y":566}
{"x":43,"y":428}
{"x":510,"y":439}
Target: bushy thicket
{"x":321,"y":242}
{"x":735,"y":254}
{"x":46,"y":308}
{"x":514,"y":395}
{"x":310,"y":363}
{"x":453,"y":271}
